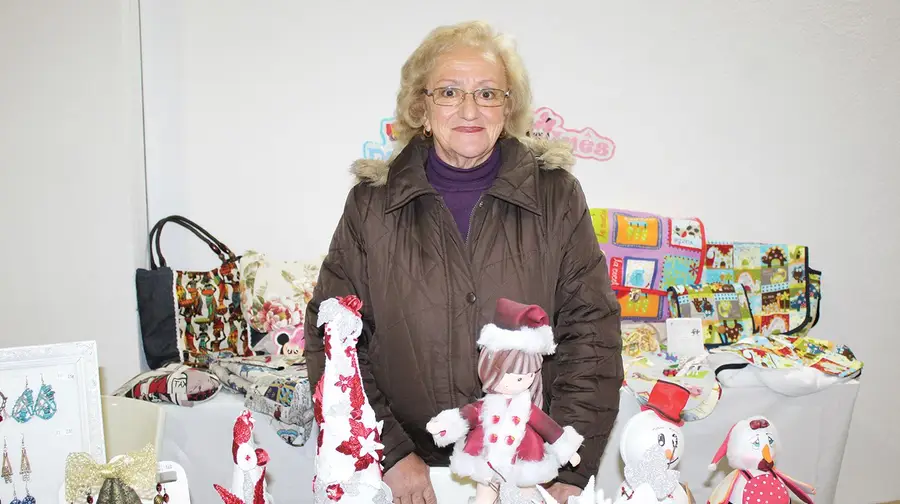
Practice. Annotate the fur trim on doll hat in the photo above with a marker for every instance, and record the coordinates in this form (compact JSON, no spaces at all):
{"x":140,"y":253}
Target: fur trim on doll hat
{"x":668,"y":399}
{"x":518,"y":326}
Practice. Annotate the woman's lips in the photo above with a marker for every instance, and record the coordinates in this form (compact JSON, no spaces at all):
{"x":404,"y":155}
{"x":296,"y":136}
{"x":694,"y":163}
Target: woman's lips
{"x":468,"y":129}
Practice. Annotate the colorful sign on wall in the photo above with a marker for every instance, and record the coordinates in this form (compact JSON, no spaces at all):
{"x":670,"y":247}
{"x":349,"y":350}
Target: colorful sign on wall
{"x":586,"y":143}
{"x":381,"y":150}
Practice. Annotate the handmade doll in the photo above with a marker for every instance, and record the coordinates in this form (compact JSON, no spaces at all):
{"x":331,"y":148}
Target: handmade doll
{"x":750,"y":447}
{"x":652,"y":445}
{"x":505,"y":437}
{"x":248,"y":484}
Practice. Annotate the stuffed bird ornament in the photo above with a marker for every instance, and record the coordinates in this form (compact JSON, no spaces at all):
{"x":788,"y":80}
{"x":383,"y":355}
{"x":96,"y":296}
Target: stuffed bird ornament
{"x":750,"y":447}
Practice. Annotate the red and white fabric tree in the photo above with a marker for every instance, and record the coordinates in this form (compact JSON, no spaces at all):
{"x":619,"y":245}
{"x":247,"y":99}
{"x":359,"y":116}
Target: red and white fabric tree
{"x":349,"y":453}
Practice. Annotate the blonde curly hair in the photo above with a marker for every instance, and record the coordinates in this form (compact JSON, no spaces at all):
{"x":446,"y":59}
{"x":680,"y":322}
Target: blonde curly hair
{"x":409,"y":117}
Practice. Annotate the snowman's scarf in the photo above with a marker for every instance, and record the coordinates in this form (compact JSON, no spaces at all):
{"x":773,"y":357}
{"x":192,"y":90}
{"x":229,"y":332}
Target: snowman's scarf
{"x":795,"y":486}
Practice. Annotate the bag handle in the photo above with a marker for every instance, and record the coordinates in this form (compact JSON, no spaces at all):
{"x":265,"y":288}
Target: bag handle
{"x":220,"y":249}
{"x":216,"y":245}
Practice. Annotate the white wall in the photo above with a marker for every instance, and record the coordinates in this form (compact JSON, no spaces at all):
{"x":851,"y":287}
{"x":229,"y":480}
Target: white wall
{"x":773,"y":121}
{"x":72,"y":199}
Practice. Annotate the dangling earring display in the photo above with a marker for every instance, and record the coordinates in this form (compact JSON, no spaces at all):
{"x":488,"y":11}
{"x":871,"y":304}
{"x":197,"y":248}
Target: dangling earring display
{"x":45,"y":406}
{"x":161,"y":495}
{"x":7,"y":471}
{"x":29,"y":499}
{"x":24,"y":408}
{"x":426,"y":133}
{"x":25,"y":466}
{"x":3,"y":414}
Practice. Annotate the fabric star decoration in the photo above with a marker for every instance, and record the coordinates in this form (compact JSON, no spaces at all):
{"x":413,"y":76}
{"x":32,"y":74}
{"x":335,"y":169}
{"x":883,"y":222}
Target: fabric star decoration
{"x":653,"y":469}
{"x":344,"y":382}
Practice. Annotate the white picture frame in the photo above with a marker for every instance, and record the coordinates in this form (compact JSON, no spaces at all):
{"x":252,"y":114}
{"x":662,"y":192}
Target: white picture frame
{"x":72,"y":370}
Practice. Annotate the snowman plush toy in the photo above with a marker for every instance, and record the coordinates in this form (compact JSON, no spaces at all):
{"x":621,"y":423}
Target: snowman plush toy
{"x":750,"y":447}
{"x":652,"y":445}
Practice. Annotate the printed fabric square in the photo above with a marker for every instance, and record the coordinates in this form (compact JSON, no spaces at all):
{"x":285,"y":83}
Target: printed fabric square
{"x":640,"y":273}
{"x":686,"y":233}
{"x":723,"y":307}
{"x":637,"y":305}
{"x":641,"y":232}
{"x":678,"y":270}
{"x":719,"y":256}
{"x":600,"y":222}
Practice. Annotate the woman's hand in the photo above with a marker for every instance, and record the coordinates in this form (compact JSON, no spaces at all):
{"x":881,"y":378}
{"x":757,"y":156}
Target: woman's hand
{"x":410,"y":481}
{"x":561,"y":491}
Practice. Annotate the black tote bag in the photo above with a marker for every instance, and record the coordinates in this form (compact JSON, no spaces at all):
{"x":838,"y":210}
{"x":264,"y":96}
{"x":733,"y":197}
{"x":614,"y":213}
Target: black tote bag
{"x":190,"y":316}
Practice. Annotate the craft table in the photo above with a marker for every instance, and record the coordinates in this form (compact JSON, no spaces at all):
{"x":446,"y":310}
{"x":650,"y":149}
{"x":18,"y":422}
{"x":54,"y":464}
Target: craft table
{"x":813,"y":431}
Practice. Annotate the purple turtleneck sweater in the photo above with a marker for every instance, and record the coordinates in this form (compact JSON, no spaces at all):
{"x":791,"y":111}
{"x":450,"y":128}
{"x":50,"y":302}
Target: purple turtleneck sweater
{"x":461,"y":188}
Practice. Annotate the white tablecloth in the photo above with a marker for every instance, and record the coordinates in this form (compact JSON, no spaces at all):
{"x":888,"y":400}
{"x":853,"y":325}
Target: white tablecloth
{"x":813,"y":430}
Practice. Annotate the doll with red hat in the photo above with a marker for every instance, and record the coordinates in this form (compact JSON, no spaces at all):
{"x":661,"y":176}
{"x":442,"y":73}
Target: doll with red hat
{"x":505,"y":438}
{"x":652,"y":445}
{"x":750,"y":447}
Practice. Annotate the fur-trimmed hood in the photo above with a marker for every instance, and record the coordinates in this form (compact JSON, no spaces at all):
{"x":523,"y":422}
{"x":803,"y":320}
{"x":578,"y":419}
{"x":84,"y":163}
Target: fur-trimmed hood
{"x":550,"y":155}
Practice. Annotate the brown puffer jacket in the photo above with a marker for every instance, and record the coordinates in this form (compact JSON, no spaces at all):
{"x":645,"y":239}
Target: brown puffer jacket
{"x":427,"y":293}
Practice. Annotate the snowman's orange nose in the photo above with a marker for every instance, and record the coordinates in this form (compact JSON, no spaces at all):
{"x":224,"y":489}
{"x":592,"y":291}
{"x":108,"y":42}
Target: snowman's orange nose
{"x":669,"y":454}
{"x":767,"y":455}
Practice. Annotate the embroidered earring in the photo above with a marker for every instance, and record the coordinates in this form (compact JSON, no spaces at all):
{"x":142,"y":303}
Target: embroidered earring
{"x":25,"y":466}
{"x":24,"y":408}
{"x":3,"y":413}
{"x":7,"y":471}
{"x":45,"y":406}
{"x":161,"y":495}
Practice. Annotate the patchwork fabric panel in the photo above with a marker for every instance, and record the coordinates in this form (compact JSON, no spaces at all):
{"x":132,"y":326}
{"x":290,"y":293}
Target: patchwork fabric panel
{"x":646,"y":254}
{"x":724,"y":309}
{"x":208,"y":315}
{"x":790,"y":352}
{"x":781,"y":287}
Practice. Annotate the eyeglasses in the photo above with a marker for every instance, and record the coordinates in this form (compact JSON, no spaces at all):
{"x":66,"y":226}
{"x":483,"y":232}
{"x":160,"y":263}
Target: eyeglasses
{"x":451,"y":96}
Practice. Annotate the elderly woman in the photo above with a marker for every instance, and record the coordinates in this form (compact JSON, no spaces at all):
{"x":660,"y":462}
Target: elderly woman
{"x":469,"y":209}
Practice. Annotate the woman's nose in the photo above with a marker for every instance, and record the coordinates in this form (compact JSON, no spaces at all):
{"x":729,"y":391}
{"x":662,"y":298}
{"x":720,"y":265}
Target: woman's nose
{"x":468,"y":109}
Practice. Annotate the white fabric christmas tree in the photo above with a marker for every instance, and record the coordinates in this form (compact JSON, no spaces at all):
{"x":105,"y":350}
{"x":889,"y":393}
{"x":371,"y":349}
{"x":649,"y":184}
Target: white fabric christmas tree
{"x":349,"y":454}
